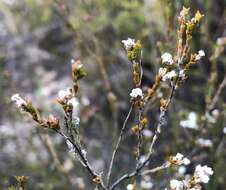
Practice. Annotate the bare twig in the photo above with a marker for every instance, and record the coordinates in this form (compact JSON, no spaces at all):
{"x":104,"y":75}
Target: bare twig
{"x":139,"y":144}
{"x":163,"y":166}
{"x":217,"y":95}
{"x":117,"y":144}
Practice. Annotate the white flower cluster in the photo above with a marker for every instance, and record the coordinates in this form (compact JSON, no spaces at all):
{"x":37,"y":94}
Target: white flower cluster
{"x":167,"y":58}
{"x":19,"y":101}
{"x":180,"y":159}
{"x":129,"y":43}
{"x":202,"y":174}
{"x":200,"y":54}
{"x":171,"y":74}
{"x":136,"y":92}
{"x":190,"y":122}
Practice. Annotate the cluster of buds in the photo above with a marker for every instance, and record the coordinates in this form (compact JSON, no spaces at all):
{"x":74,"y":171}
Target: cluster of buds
{"x":133,"y":53}
{"x":175,"y":68}
{"x":201,"y":175}
{"x":78,"y":72}
{"x":194,"y":58}
{"x":143,"y":124}
{"x":179,"y":159}
{"x":133,"y":48}
{"x":26,"y":106}
{"x":22,"y":180}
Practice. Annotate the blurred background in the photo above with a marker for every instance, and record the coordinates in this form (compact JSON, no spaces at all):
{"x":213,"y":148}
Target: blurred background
{"x":38,"y":38}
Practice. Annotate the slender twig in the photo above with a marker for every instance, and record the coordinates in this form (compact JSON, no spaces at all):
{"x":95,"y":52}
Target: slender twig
{"x":139,"y":144}
{"x":217,"y":95}
{"x":140,"y":111}
{"x":117,"y":144}
{"x":163,"y":166}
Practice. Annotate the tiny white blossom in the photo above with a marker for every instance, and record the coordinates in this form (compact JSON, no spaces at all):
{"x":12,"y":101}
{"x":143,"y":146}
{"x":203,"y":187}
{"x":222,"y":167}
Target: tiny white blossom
{"x":182,"y":170}
{"x":205,"y":142}
{"x":74,"y":102}
{"x":167,"y":58}
{"x":180,"y":159}
{"x":201,"y":54}
{"x":162,"y":71}
{"x":62,"y":94}
{"x":169,"y":76}
{"x":20,"y":102}
{"x":182,"y":74}
{"x":129,"y":187}
{"x":224,"y":130}
{"x":146,"y":184}
{"x":190,"y":122}
{"x":136,"y":92}
{"x":176,"y":184}
{"x":186,"y":161}
{"x":202,"y":174}
{"x":129,"y":43}
{"x":147,"y":133}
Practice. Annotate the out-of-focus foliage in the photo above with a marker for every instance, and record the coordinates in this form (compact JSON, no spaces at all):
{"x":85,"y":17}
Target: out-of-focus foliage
{"x":37,"y":40}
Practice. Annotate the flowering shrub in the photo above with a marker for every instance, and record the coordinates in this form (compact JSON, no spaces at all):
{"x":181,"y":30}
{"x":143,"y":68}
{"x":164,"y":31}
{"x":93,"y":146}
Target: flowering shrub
{"x":173,"y":72}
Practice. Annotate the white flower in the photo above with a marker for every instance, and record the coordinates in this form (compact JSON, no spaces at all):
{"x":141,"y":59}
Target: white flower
{"x":170,"y":75}
{"x":190,"y":122}
{"x":176,"y":184}
{"x":202,"y":174}
{"x":62,"y":94}
{"x":201,"y":54}
{"x":129,"y":43}
{"x":167,"y":58}
{"x":182,"y":170}
{"x":162,"y":71}
{"x":147,"y":133}
{"x":205,"y":142}
{"x":129,"y":187}
{"x":224,"y":130}
{"x":20,"y":102}
{"x":74,"y":102}
{"x":182,"y":74}
{"x":146,"y":184}
{"x":136,"y":92}
{"x":180,"y":159}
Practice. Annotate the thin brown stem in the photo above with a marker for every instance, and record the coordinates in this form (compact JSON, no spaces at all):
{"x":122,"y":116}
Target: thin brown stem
{"x":117,"y":144}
